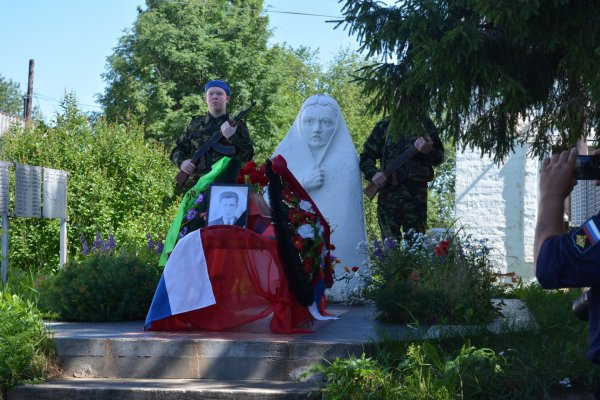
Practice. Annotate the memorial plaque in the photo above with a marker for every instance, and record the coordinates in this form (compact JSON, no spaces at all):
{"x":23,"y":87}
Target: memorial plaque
{"x":28,"y":191}
{"x":55,"y":193}
{"x":4,"y":179}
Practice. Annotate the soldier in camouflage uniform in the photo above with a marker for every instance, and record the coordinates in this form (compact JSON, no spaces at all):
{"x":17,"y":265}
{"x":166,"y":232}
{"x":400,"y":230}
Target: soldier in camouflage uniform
{"x":201,"y":128}
{"x":402,"y":202}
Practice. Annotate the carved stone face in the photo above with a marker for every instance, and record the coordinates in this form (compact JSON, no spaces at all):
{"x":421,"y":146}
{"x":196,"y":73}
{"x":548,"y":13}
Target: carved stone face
{"x":317,"y":125}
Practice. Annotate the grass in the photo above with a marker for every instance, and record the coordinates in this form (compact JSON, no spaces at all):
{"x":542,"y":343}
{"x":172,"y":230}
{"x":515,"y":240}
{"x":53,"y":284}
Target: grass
{"x":26,"y":349}
{"x":511,"y":365}
{"x":538,"y":364}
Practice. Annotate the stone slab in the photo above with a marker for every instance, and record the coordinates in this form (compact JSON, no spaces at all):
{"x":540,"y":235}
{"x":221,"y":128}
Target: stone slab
{"x":251,"y":352}
{"x":163,"y":389}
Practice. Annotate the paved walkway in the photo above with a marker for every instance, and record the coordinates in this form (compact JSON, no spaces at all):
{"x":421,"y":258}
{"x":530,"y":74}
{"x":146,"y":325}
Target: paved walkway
{"x":355,"y":325}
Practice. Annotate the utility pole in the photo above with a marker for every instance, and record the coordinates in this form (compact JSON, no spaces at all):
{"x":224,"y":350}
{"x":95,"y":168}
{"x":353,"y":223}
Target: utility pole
{"x":29,"y":98}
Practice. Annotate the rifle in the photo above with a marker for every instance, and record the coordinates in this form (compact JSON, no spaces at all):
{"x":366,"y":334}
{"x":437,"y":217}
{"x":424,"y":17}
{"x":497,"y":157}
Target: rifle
{"x":371,"y":189}
{"x":183,"y":176}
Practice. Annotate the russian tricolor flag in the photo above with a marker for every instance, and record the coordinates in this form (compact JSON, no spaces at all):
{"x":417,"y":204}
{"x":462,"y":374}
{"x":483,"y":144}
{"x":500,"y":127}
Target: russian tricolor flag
{"x":591,"y":230}
{"x":185,"y":284}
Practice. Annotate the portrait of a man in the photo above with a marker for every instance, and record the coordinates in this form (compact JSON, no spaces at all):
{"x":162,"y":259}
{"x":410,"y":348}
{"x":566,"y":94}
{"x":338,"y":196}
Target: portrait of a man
{"x":228,"y":205}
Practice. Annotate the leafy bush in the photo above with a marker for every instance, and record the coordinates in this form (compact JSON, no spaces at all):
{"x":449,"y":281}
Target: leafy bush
{"x":422,"y":374}
{"x":26,"y":351}
{"x":117,"y":183}
{"x":545,"y":363}
{"x":357,"y":378}
{"x":102,"y":287}
{"x":419,"y":281}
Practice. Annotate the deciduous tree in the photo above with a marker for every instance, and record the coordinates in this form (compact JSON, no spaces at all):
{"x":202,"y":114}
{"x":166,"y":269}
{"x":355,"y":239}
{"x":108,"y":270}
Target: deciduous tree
{"x":11,"y":98}
{"x":157,"y":71}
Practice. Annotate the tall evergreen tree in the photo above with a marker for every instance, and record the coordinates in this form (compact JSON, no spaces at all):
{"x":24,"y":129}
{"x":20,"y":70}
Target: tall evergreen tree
{"x":494,"y":73}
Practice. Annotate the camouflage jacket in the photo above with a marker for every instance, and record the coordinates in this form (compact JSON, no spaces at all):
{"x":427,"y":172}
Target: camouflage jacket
{"x":199,"y":130}
{"x":385,"y":147}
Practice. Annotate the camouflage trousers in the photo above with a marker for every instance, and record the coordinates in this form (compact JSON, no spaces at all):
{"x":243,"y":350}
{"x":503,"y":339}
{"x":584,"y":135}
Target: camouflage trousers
{"x":401,"y":208}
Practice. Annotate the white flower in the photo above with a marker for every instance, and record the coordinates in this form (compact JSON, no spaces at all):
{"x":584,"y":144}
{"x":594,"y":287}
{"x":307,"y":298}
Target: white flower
{"x":565,"y":382}
{"x":320,"y":228}
{"x":306,"y":231}
{"x":306,"y":206}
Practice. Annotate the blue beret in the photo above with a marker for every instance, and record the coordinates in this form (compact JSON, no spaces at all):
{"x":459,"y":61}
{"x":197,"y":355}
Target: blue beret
{"x":220,"y":84}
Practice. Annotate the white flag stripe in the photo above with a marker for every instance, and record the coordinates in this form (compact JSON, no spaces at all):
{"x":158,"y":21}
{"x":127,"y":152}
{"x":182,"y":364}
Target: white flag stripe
{"x":594,"y":229}
{"x":186,"y":276}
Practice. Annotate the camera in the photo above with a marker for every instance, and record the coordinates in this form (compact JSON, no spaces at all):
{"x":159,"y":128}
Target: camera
{"x":587,"y":167}
{"x":581,"y":306}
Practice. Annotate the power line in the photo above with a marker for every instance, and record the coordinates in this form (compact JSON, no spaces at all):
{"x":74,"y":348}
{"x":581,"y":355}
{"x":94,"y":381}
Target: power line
{"x":49,"y":99}
{"x":267,"y":10}
{"x":301,"y":13}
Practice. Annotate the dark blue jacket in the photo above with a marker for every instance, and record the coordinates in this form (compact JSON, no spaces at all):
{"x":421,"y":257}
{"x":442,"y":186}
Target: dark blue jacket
{"x":573,"y":260}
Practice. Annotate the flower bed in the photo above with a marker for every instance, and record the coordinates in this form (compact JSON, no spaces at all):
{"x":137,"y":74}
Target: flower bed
{"x":420,"y":281}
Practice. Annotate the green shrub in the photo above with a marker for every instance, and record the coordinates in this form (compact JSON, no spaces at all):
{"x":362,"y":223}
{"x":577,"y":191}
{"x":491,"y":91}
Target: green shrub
{"x":421,"y":374}
{"x":117,"y":183}
{"x":102,"y":287}
{"x":26,"y":351}
{"x":419,"y":281}
{"x":357,"y":378}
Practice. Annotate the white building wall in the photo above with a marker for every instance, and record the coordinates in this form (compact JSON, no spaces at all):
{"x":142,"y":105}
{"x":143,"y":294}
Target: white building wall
{"x":499,"y":202}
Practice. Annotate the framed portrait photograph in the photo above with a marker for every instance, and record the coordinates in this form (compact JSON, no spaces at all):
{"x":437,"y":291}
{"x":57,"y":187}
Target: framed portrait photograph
{"x":228,"y":205}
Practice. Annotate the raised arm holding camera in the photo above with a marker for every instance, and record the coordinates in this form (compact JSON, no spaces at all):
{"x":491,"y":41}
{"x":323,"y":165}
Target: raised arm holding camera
{"x":572,"y":259}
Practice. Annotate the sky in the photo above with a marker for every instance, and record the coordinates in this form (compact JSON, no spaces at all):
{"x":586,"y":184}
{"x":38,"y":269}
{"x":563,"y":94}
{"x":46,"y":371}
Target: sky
{"x":69,"y":41}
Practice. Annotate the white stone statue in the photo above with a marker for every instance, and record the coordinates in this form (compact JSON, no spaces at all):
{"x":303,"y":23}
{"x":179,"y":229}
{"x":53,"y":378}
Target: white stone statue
{"x":320,"y":153}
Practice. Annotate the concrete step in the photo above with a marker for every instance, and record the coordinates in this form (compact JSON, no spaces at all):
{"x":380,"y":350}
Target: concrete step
{"x":164,"y":389}
{"x":252,"y":352}
{"x":120,"y":361}
{"x":181,"y":358}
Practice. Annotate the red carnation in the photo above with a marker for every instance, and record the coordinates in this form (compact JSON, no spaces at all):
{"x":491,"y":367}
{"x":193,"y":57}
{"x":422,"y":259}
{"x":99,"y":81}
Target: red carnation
{"x":354,"y":269}
{"x":295,"y":216}
{"x":254,"y":177}
{"x":264,"y":180}
{"x":298,"y":242}
{"x":308,"y":217}
{"x":442,"y":248}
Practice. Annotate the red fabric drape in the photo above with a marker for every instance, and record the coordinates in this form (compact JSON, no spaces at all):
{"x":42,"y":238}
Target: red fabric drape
{"x":247,"y":279}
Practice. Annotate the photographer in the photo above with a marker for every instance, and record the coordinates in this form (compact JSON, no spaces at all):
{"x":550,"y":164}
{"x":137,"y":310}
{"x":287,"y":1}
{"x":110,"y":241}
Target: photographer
{"x":568,"y":260}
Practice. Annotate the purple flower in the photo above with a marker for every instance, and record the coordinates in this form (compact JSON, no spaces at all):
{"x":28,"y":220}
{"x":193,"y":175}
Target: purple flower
{"x":191,"y":214}
{"x":182,"y":232}
{"x":85,"y":248}
{"x":149,"y":243}
{"x":200,"y":199}
{"x":390,"y":243}
{"x":111,"y":244}
{"x":98,"y":244}
{"x":159,"y":247}
{"x":377,"y":251}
